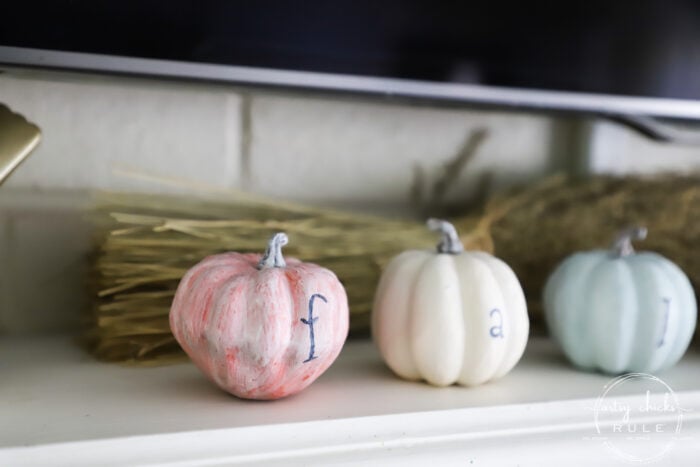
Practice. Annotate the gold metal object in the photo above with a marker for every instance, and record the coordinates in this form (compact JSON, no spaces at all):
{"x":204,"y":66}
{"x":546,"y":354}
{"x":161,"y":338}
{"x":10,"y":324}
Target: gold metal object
{"x":18,"y":138}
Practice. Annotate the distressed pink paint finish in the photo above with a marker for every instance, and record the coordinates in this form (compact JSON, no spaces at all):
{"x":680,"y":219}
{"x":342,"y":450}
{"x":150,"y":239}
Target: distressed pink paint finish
{"x":242,"y":326}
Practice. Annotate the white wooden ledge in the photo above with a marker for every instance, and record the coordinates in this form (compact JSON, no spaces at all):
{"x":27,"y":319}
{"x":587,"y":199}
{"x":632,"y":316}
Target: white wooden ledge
{"x":60,"y":407}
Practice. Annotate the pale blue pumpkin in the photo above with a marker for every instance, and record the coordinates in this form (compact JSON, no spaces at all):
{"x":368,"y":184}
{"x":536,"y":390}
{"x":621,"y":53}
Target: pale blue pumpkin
{"x":619,"y":311}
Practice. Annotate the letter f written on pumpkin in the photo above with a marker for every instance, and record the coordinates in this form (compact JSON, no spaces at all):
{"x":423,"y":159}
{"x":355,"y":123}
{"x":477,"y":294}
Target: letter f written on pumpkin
{"x":310,"y":322}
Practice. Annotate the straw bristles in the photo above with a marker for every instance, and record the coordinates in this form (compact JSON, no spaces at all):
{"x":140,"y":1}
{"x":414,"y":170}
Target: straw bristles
{"x":148,"y":243}
{"x":537,"y":227}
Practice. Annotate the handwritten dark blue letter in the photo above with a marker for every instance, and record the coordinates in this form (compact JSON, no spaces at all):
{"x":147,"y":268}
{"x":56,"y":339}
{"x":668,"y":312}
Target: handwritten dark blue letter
{"x":667,"y":302}
{"x":310,"y":322}
{"x":496,"y":331}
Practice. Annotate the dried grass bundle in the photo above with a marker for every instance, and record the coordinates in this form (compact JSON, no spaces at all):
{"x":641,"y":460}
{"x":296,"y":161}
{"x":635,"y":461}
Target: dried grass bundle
{"x":148,"y":243}
{"x":534,"y":228}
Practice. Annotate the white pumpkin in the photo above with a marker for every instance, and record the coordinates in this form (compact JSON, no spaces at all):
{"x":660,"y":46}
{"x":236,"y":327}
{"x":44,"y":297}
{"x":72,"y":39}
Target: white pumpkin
{"x":619,"y":311}
{"x":449,"y":316}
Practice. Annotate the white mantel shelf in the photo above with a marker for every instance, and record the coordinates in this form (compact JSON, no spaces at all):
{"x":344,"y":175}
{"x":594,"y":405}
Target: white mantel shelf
{"x":58,"y":406}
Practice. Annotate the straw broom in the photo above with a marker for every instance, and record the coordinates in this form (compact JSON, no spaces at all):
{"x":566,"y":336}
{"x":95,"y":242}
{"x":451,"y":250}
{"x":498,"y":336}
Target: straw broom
{"x":141,"y":259}
{"x":146,"y":243}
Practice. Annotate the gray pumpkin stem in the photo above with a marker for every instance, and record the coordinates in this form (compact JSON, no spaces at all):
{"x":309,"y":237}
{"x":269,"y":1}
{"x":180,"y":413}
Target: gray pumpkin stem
{"x":450,"y":242}
{"x":273,"y":254}
{"x":622,"y":246}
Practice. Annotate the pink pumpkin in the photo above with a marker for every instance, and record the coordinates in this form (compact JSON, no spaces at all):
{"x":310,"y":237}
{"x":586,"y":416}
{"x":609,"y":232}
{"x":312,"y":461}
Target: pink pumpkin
{"x":260,"y":327}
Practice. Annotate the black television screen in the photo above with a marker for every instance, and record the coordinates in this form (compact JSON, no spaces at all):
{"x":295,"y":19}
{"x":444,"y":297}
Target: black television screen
{"x":610,"y":57}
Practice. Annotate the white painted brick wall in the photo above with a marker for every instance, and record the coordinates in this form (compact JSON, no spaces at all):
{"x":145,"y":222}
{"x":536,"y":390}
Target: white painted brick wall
{"x":615,"y":149}
{"x":344,"y":150}
{"x":92,"y":127}
{"x":302,"y":148}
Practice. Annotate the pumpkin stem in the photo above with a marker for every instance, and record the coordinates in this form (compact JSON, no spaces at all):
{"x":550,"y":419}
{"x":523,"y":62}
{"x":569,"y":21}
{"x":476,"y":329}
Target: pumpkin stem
{"x":450,"y":242}
{"x":273,"y":253}
{"x":622,"y":246}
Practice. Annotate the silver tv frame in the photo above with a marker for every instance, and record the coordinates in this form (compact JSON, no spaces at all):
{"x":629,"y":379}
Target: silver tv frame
{"x":645,"y":114}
